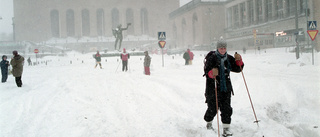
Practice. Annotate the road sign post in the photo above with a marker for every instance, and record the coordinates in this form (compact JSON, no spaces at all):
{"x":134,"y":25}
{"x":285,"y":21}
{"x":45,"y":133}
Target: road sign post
{"x":36,"y":51}
{"x":312,"y":31}
{"x":161,"y":45}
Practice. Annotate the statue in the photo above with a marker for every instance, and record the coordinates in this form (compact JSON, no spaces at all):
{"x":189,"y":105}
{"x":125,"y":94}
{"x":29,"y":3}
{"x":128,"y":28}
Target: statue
{"x":117,"y":33}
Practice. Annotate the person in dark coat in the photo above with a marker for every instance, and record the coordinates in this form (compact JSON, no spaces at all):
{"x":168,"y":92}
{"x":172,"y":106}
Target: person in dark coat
{"x":218,"y":66}
{"x":146,"y":63}
{"x":124,"y":57}
{"x":4,"y":68}
{"x":98,"y":59}
{"x":17,"y":67}
{"x":29,"y":62}
{"x":186,"y":57}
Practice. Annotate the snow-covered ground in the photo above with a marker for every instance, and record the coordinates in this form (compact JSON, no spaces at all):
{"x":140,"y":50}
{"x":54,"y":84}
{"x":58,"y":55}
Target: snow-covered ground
{"x":67,"y":97}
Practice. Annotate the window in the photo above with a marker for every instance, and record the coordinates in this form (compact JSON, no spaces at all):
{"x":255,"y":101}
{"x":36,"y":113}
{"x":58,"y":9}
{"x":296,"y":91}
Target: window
{"x":279,"y":9}
{"x":236,"y":16}
{"x":194,"y":27}
{"x":250,"y":12}
{"x":115,"y":18}
{"x":259,"y":11}
{"x":70,"y":23}
{"x":100,"y":22}
{"x":229,"y":17}
{"x":269,"y":10}
{"x":129,"y":19}
{"x":85,"y":22}
{"x":55,"y":27}
{"x":243,"y":14}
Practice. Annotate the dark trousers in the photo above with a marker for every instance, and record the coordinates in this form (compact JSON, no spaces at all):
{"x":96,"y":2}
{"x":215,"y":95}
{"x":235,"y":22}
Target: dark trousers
{"x":124,"y":65}
{"x":18,"y":81}
{"x":224,"y":105}
{"x":187,"y":62}
{"x":4,"y":77}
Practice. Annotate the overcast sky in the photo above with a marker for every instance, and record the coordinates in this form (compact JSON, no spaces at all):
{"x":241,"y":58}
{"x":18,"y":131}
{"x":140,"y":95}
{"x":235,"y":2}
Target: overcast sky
{"x":6,"y":13}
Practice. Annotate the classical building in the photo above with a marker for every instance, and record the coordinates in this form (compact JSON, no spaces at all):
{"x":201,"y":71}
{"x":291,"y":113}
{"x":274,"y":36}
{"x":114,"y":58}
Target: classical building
{"x":40,"y":20}
{"x":267,"y":23}
{"x":244,"y":23}
{"x":198,"y":23}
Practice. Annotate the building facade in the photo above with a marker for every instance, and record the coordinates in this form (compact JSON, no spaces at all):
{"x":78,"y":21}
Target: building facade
{"x":40,"y":20}
{"x":245,"y":23}
{"x":267,"y":23}
{"x":198,"y":23}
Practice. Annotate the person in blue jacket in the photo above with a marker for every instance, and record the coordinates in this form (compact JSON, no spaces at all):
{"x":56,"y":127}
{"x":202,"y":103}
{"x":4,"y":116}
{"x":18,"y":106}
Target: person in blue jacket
{"x":4,"y":68}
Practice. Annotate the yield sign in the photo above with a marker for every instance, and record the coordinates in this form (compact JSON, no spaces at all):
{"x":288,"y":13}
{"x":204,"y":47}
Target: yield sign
{"x":162,"y":43}
{"x":312,"y":34}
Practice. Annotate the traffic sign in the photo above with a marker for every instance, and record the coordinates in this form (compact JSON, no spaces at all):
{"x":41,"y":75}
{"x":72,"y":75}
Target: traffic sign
{"x":36,"y":51}
{"x":162,"y":44}
{"x":312,"y":34}
{"x":312,"y":25}
{"x":161,"y":36}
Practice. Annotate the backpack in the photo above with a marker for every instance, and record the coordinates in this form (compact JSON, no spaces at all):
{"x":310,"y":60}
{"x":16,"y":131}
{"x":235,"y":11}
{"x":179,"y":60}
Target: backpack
{"x":205,"y":61}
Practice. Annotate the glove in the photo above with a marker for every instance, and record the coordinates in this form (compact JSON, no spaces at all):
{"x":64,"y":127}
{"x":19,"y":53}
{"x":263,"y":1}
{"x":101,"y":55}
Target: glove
{"x":238,"y":59}
{"x":213,"y":73}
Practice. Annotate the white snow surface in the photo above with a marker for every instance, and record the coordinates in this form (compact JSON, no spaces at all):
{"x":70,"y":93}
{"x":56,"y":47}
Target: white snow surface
{"x":68,"y":97}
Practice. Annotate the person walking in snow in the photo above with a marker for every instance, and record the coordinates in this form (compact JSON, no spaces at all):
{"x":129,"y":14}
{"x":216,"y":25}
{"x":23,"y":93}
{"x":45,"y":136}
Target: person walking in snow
{"x":186,"y":57}
{"x":191,"y":55}
{"x":218,"y":65}
{"x":124,"y":57}
{"x":98,"y":60}
{"x":146,"y":63}
{"x":17,"y":67}
{"x":4,"y":68}
{"x":29,"y":62}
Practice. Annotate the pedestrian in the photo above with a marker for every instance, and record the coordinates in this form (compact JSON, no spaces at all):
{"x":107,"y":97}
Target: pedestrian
{"x":218,"y":65}
{"x":29,"y":62}
{"x":4,"y":68}
{"x":124,"y":57}
{"x":191,"y":55}
{"x":146,"y":63}
{"x":186,"y":57}
{"x":17,"y":67}
{"x":98,"y":59}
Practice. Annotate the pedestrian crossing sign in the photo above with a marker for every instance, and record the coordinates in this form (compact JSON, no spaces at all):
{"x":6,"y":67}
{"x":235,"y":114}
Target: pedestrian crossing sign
{"x":312,"y":25}
{"x":161,"y":36}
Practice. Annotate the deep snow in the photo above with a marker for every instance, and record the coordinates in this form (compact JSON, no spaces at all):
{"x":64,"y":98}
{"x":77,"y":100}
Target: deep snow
{"x":61,"y":99}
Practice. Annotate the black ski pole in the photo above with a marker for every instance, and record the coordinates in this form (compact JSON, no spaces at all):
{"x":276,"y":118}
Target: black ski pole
{"x":216,"y":92}
{"x":249,"y":96}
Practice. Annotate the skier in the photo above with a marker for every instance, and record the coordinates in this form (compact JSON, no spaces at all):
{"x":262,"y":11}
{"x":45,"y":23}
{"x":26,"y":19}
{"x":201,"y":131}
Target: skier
{"x":186,"y":57}
{"x":191,"y":55}
{"x":124,"y":57}
{"x":218,"y":65}
{"x":98,"y":60}
{"x":17,"y":67}
{"x":4,"y":68}
{"x":146,"y":63}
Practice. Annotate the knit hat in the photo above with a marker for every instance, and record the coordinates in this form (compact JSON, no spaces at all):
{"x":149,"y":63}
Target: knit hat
{"x":15,"y":53}
{"x":221,"y":44}
{"x":4,"y":56}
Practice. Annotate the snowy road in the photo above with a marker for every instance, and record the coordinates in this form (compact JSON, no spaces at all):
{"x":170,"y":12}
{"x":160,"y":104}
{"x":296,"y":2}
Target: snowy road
{"x":63,"y":99}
